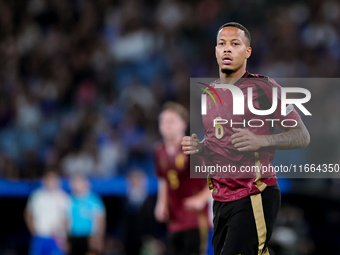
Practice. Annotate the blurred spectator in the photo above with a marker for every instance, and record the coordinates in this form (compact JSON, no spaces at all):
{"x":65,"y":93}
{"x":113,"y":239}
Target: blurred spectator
{"x":8,"y":169}
{"x":110,"y":154}
{"x":78,"y":161}
{"x":138,"y":224}
{"x":86,"y":219}
{"x":45,"y":216}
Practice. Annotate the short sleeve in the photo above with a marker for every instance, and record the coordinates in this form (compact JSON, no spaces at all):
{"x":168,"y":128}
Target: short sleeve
{"x":31,"y":201}
{"x":99,"y":207}
{"x":158,"y":169}
{"x":288,"y":120}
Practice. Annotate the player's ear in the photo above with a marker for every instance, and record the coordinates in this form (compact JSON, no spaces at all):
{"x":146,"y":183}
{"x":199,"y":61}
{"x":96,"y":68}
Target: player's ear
{"x":248,"y":52}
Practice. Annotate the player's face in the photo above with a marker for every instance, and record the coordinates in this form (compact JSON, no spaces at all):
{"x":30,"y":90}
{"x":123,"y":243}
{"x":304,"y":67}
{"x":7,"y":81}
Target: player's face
{"x":171,"y":124}
{"x":232,"y":50}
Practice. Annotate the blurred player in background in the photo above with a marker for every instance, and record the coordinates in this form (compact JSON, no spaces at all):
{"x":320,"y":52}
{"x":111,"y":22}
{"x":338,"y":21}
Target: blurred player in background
{"x":45,"y":216}
{"x":181,"y":202}
{"x":245,"y":209}
{"x":86,"y":219}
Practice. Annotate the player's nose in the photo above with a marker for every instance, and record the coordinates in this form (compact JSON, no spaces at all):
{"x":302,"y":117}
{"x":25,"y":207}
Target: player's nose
{"x":227,"y":48}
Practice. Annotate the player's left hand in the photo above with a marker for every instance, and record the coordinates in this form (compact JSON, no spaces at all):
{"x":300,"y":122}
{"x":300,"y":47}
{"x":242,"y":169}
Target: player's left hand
{"x":194,"y":203}
{"x":245,"y":140}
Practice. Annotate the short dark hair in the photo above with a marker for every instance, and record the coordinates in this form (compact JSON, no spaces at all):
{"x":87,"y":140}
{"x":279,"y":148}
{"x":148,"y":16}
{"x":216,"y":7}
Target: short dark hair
{"x":179,"y":109}
{"x":239,"y":26}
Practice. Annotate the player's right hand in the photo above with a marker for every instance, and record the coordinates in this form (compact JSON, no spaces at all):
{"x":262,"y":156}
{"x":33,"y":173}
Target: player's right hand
{"x":190,"y":145}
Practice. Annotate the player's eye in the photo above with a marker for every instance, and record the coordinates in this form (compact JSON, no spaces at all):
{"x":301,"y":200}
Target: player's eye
{"x":221,"y":43}
{"x":235,"y":43}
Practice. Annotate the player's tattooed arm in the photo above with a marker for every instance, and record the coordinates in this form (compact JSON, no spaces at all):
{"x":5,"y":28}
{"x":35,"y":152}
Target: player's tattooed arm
{"x":295,"y":138}
{"x":191,"y":145}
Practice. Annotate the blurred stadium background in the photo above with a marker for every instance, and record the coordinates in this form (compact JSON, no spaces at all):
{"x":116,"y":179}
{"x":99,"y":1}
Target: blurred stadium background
{"x":82,"y":83}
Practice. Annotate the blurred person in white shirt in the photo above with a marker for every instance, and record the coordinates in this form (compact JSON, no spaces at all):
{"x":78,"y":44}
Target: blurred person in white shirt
{"x":45,"y":216}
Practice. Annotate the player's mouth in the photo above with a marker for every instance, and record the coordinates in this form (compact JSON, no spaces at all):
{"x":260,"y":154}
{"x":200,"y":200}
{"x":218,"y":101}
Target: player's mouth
{"x":227,"y":60}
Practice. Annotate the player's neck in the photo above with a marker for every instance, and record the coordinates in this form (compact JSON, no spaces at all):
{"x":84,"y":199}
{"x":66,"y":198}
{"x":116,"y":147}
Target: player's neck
{"x":172,"y":144}
{"x":232,"y":77}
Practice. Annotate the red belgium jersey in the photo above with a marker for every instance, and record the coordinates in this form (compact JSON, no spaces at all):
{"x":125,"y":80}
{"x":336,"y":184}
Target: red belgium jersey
{"x":175,"y":169}
{"x":219,"y":149}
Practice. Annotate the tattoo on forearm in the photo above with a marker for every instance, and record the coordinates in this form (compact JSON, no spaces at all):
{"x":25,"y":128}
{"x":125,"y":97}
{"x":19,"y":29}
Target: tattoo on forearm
{"x":292,"y":139}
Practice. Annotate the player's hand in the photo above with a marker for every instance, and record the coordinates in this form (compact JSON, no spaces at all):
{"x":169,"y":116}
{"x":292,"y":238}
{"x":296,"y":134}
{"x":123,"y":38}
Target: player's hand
{"x":190,"y":145}
{"x":245,"y":140}
{"x":161,"y":213}
{"x":194,"y":203}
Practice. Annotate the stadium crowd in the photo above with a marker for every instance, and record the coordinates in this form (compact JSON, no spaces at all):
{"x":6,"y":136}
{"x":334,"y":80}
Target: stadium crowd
{"x":82,"y":82}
